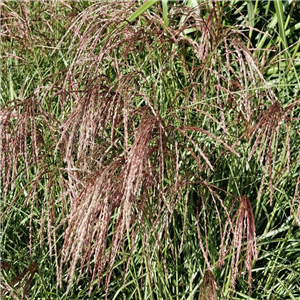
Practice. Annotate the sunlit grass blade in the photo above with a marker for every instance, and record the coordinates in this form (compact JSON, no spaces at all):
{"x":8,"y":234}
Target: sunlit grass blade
{"x":165,"y":12}
{"x":280,"y":20}
{"x":141,"y":10}
{"x":251,"y":14}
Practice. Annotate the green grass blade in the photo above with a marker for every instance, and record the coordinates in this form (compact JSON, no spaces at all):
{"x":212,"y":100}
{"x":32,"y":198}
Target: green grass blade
{"x":280,"y":19}
{"x":165,"y":12}
{"x":250,"y":9}
{"x":141,"y":10}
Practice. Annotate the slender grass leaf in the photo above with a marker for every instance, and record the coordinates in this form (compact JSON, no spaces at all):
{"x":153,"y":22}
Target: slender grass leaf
{"x":165,"y":12}
{"x":141,"y":10}
{"x":280,"y":19}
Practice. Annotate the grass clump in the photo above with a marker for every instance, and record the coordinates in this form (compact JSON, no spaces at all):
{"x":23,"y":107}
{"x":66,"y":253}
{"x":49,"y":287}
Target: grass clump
{"x":145,"y":160}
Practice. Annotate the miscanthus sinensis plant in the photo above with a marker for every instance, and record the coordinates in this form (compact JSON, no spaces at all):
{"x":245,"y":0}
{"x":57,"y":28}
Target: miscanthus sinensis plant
{"x":151,"y":161}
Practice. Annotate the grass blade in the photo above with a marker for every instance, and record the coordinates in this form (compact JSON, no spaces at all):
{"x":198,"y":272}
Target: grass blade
{"x":280,"y":19}
{"x":165,"y":12}
{"x":141,"y":10}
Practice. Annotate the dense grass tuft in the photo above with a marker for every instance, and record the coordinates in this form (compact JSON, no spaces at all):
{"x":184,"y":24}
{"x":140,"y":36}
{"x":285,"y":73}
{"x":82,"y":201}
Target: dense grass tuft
{"x":156,"y":158}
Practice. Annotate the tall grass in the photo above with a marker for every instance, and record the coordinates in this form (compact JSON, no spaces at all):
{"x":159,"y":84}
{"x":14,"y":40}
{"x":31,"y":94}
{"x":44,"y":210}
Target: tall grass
{"x":155,"y":159}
